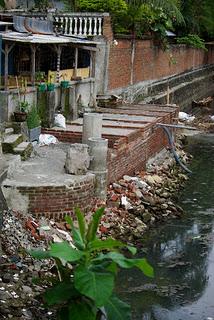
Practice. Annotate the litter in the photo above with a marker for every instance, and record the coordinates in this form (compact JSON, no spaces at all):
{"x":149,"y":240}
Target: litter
{"x":59,"y":121}
{"x":183,"y":116}
{"x":46,"y":139}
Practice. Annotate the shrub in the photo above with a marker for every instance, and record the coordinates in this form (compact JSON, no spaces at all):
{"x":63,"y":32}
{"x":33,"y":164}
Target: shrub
{"x":192,"y":40}
{"x":33,"y":119}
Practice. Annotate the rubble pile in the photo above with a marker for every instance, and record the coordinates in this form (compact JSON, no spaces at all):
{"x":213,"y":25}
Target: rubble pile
{"x":18,"y":294}
{"x":136,"y":203}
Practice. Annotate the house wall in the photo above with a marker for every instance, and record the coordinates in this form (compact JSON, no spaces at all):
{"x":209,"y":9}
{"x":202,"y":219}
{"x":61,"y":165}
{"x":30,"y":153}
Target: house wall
{"x":9,"y":99}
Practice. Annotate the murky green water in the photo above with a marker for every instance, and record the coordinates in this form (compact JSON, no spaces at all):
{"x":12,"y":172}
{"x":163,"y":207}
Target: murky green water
{"x":181,"y":251}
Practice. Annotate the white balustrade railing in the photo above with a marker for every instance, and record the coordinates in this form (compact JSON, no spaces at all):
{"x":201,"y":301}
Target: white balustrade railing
{"x":80,"y":25}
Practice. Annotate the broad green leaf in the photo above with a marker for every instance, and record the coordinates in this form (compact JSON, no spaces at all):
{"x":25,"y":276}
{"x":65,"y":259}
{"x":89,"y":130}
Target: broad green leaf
{"x":78,"y":310}
{"x":64,"y":251}
{"x":40,"y":254}
{"x":96,"y":285}
{"x":81,"y":223}
{"x":81,"y":310}
{"x":133,"y":250}
{"x":105,"y":244}
{"x":144,"y":266}
{"x":123,"y":262}
{"x":78,"y":241}
{"x":112,"y":268}
{"x":117,"y":309}
{"x":59,"y":293}
{"x":93,"y":226}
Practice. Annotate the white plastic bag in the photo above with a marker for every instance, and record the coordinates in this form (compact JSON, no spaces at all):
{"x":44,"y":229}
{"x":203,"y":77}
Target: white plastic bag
{"x":59,"y":121}
{"x":183,"y":116}
{"x":46,"y":139}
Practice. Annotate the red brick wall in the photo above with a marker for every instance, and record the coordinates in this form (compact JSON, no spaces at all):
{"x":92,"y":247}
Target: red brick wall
{"x":151,"y":62}
{"x":131,"y":157}
{"x":55,"y":202}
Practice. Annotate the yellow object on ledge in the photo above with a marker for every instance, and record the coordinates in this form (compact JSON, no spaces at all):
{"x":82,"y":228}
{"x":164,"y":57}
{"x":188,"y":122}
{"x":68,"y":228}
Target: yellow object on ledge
{"x":68,"y":74}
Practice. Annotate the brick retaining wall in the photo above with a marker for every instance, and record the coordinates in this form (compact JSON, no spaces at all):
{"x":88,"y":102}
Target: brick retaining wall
{"x":54,"y":202}
{"x":151,"y":62}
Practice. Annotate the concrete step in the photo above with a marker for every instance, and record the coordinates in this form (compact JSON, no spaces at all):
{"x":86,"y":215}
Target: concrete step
{"x":24,"y":149}
{"x":8,"y":131}
{"x":10,"y":142}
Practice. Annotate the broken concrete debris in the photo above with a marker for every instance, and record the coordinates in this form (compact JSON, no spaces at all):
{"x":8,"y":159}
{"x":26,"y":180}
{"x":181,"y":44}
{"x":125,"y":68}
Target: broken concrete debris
{"x":135,"y":203}
{"x":77,"y":159}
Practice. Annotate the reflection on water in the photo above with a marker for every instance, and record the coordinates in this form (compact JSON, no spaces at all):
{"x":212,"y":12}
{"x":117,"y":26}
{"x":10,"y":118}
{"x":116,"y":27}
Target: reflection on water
{"x":182,"y":253}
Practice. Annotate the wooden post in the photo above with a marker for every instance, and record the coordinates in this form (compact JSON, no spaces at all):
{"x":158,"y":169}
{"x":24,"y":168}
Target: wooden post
{"x":6,"y":55}
{"x":6,"y":51}
{"x":76,"y":62}
{"x":92,"y":63}
{"x":33,"y":64}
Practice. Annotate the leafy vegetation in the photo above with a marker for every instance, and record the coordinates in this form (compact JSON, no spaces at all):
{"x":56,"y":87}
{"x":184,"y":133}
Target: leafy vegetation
{"x":33,"y":119}
{"x":198,"y":16}
{"x":84,"y":288}
{"x":23,"y":105}
{"x":192,"y":40}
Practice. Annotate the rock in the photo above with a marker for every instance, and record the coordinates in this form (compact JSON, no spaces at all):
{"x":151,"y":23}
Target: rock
{"x":154,"y":179}
{"x":142,"y":185}
{"x":164,"y":206}
{"x":4,"y":295}
{"x":165,"y":195}
{"x":127,"y":178}
{"x":6,"y":278}
{"x":138,"y":194}
{"x":77,"y":159}
{"x":27,"y":289}
{"x":147,"y":217}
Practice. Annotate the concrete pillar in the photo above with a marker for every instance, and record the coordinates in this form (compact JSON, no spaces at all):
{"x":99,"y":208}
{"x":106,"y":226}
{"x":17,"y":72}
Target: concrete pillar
{"x":73,"y":103}
{"x":77,"y":159}
{"x":92,"y":126}
{"x":98,"y":149}
{"x":51,"y":103}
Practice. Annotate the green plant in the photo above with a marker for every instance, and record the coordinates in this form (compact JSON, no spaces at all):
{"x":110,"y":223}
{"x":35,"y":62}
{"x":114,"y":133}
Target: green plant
{"x":40,"y":76}
{"x":23,"y":106}
{"x":33,"y":119}
{"x":87,"y":271}
{"x":192,"y":40}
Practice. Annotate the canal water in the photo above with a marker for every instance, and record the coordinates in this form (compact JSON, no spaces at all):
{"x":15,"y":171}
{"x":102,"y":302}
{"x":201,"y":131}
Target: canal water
{"x":181,"y":252}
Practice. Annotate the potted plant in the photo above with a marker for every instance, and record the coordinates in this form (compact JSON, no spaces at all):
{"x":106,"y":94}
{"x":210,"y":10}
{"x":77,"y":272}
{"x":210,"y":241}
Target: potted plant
{"x":50,"y":84}
{"x":40,"y":76}
{"x":34,"y":124}
{"x":64,"y":83}
{"x":21,"y":114}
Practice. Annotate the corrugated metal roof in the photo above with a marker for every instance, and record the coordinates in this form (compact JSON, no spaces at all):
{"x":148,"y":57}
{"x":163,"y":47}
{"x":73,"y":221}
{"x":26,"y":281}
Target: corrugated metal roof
{"x":43,"y":39}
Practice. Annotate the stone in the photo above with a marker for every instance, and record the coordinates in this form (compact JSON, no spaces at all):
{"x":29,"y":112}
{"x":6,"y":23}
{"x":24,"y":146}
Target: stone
{"x":153,"y":179}
{"x":164,"y":206}
{"x":142,"y":184}
{"x":77,"y":159}
{"x":138,"y":194}
{"x":4,"y":295}
{"x":165,"y":195}
{"x":127,"y":178}
{"x":27,"y":289}
{"x":6,"y":278}
{"x":147,"y":217}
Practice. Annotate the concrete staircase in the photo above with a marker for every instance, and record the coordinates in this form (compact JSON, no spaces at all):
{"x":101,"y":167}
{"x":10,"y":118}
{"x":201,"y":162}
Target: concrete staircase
{"x":14,"y":143}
